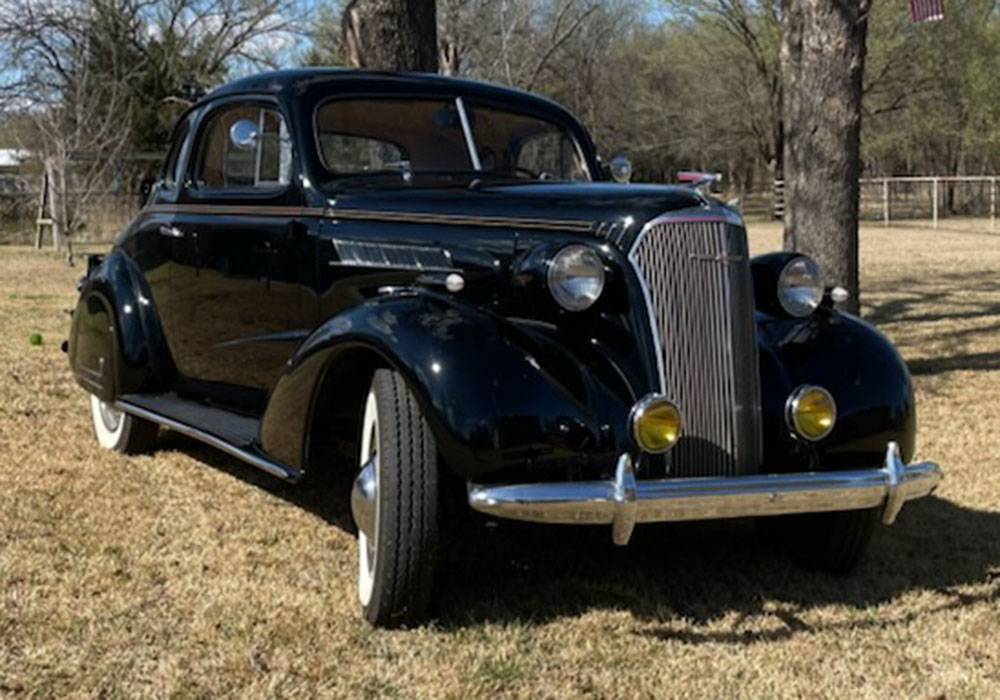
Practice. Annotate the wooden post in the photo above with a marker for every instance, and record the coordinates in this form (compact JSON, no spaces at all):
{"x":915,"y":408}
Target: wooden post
{"x":42,"y":219}
{"x":885,"y":201}
{"x":993,"y":204}
{"x":934,"y":202}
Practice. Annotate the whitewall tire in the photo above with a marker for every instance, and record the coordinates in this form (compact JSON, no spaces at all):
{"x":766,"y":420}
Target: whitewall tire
{"x":394,"y":500}
{"x":119,"y":431}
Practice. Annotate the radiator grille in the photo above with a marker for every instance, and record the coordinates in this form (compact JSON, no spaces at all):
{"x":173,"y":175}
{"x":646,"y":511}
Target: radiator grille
{"x":700,"y":293}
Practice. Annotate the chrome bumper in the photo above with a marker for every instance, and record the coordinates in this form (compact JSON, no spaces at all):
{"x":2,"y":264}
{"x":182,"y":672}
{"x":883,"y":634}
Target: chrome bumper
{"x":625,"y":501}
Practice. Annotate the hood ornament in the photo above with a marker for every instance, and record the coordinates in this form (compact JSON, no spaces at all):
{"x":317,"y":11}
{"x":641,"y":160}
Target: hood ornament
{"x":698,"y":180}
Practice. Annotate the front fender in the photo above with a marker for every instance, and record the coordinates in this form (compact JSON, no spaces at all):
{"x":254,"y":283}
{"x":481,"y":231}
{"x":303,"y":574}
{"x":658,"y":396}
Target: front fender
{"x":861,"y":369}
{"x":503,"y":398}
{"x":116,"y":343}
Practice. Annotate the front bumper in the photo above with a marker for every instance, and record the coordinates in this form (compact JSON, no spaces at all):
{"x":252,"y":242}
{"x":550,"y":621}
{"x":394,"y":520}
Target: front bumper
{"x":624,"y":501}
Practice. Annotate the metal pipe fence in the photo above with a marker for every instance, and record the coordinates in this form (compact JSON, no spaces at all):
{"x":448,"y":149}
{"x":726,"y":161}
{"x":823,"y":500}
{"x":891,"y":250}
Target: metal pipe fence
{"x":932,"y":198}
{"x":960,"y":201}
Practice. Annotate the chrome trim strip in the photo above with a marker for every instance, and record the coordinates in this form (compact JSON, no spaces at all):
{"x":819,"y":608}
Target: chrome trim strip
{"x":255,"y":460}
{"x":406,"y":217}
{"x":235,"y":210}
{"x":412,"y":217}
{"x":623,"y":501}
{"x":470,"y":142}
{"x":292,"y":336}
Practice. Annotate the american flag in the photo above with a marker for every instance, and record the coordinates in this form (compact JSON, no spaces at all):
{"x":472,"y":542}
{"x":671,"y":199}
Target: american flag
{"x":926,"y":10}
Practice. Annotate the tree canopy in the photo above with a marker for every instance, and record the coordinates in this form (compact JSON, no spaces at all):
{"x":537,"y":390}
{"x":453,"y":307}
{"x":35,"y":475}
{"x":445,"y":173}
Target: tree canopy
{"x":675,"y":83}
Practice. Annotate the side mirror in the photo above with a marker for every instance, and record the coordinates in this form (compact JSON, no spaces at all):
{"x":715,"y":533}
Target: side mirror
{"x":620,"y":169}
{"x":244,"y":134}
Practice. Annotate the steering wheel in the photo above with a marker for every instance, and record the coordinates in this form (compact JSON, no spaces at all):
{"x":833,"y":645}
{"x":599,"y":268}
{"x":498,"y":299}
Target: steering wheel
{"x":530,"y":173}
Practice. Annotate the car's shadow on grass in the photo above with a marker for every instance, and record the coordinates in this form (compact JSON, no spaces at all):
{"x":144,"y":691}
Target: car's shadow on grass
{"x":701,"y":572}
{"x":312,"y":496}
{"x":696,"y":572}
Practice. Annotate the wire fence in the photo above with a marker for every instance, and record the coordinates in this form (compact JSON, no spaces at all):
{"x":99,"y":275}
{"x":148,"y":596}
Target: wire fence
{"x":103,"y":216}
{"x":956,"y":202}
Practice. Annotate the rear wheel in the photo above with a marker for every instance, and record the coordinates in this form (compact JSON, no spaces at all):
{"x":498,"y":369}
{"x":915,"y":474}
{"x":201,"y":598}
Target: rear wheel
{"x":119,"y":431}
{"x":395,"y":505}
{"x":833,"y":542}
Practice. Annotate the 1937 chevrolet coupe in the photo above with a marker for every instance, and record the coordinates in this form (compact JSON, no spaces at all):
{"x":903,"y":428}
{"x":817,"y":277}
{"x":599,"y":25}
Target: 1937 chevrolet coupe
{"x":424,"y":283}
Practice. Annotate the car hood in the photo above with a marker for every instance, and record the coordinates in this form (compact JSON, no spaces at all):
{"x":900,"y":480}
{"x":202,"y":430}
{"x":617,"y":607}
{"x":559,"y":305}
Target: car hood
{"x":594,"y":204}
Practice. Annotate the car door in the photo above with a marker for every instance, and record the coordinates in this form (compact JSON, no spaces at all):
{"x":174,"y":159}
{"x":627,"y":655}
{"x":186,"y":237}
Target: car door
{"x":152,"y":243}
{"x":236,"y":293}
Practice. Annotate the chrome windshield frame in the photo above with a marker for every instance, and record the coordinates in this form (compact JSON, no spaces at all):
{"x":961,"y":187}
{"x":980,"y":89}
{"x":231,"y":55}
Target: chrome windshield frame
{"x":470,"y":142}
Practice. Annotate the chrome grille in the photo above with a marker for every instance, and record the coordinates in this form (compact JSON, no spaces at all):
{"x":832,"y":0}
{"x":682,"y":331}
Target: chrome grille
{"x":701,"y":307}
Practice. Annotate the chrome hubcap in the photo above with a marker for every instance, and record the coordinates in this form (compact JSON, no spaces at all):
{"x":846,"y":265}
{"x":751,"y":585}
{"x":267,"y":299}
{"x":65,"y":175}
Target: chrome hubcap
{"x":109,"y":416}
{"x":364,"y":501}
{"x":363,"y":498}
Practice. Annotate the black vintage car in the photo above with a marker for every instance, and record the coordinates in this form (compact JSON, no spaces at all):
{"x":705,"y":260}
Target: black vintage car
{"x":429,"y":287}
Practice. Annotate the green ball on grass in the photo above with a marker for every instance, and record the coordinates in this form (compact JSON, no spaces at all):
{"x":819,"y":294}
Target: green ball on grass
{"x":35,"y":338}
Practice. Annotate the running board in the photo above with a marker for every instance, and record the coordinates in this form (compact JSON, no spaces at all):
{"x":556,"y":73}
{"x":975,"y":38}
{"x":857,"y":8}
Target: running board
{"x":247,"y":452}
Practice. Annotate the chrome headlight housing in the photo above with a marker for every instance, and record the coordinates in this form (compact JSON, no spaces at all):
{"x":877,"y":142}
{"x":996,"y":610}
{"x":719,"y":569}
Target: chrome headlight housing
{"x":800,"y":286}
{"x":576,"y":277}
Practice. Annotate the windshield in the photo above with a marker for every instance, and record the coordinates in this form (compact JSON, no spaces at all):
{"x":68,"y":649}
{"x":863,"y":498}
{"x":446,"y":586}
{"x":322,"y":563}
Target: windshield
{"x":405,"y":137}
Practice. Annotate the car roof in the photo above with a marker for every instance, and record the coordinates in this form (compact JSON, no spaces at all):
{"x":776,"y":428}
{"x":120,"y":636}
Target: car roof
{"x":299,"y":80}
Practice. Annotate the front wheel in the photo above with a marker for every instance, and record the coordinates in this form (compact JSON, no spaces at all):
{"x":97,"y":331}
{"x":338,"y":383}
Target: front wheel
{"x":395,"y":505}
{"x":833,"y":542}
{"x":119,"y":431}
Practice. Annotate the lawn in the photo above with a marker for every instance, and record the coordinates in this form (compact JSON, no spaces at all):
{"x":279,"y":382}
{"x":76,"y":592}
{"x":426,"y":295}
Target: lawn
{"x":186,"y":574}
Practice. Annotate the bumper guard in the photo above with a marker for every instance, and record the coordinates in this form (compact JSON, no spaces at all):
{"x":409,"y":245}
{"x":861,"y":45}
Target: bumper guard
{"x":626,"y":501}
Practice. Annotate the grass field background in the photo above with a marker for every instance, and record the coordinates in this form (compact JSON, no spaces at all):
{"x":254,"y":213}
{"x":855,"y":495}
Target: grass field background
{"x":186,"y":574}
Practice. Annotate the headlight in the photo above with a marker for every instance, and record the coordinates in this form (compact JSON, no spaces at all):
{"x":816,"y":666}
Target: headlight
{"x":656,"y":424}
{"x":811,"y":412}
{"x":800,"y":286}
{"x":576,"y":277}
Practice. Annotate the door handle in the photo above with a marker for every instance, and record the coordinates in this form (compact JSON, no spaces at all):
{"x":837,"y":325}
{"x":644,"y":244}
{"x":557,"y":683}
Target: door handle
{"x":171,"y":232}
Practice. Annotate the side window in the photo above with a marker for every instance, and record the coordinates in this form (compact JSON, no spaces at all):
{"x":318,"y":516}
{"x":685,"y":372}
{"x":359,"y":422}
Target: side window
{"x":356,"y":154}
{"x":172,"y":164}
{"x":244,"y":146}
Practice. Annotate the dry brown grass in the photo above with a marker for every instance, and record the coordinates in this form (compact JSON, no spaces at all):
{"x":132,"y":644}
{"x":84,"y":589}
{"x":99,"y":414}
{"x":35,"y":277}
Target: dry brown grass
{"x":186,"y":574}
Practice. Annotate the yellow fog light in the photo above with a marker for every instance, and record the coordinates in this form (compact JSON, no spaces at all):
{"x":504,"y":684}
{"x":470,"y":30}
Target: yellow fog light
{"x":656,"y":424}
{"x":811,"y":412}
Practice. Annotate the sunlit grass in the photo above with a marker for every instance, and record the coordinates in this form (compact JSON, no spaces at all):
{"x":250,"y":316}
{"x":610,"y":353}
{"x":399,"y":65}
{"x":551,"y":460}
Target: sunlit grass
{"x":185,"y":573}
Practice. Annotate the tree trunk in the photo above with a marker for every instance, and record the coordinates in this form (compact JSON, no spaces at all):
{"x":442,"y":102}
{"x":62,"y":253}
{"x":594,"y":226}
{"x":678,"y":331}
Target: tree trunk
{"x":392,"y":35}
{"x":822,"y":58}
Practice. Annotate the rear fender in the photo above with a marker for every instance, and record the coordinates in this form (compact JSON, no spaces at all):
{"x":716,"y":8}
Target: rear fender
{"x":500,"y":398}
{"x":116,"y":342}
